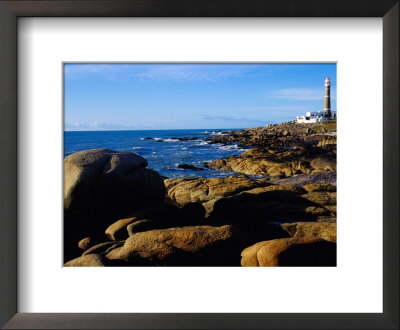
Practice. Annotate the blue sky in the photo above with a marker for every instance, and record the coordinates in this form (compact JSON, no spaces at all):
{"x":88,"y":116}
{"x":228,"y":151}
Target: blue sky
{"x":184,"y":96}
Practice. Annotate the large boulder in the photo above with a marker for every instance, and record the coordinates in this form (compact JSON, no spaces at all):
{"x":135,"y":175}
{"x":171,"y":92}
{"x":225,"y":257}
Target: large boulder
{"x":300,"y":251}
{"x":100,"y":186}
{"x":183,"y":246}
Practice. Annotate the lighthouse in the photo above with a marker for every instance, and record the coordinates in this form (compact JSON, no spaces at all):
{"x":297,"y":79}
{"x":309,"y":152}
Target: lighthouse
{"x":327,"y":105}
{"x":319,"y":116}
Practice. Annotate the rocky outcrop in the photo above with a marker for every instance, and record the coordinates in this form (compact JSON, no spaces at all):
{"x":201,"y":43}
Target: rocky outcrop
{"x":288,"y":134}
{"x":274,"y":203}
{"x":200,"y":190}
{"x":295,"y":251}
{"x":186,"y":246}
{"x":279,"y":162}
{"x":102,"y":185}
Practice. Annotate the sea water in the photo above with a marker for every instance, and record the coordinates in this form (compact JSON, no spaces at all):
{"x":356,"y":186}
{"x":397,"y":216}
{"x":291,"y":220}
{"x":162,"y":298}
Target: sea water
{"x":163,"y":149}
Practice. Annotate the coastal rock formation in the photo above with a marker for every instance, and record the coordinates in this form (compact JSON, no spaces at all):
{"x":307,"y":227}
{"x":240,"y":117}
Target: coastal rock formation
{"x":279,"y":162}
{"x":288,"y":134}
{"x":187,"y":190}
{"x":295,"y":251}
{"x":272,"y":203}
{"x":119,"y":213}
{"x":102,"y":185}
{"x":186,"y":246}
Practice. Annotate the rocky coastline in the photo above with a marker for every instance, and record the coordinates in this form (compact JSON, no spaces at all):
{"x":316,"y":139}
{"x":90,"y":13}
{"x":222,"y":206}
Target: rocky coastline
{"x":279,"y":210}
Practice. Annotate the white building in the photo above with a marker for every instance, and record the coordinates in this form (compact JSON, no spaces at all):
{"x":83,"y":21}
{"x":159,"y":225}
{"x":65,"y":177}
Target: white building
{"x":318,"y":116}
{"x":315,"y":117}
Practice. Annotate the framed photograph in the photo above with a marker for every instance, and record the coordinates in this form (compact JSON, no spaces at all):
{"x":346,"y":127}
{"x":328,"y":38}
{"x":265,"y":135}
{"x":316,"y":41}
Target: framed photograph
{"x":194,"y":135}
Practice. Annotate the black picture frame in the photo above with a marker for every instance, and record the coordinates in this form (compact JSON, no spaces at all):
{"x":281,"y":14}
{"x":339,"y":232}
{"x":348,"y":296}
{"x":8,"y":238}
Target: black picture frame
{"x":9,"y":13}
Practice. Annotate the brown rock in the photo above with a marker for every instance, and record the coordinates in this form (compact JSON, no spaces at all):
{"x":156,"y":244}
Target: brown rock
{"x":301,"y":251}
{"x":84,"y":243}
{"x":319,"y":187}
{"x":201,"y":190}
{"x":186,"y":246}
{"x":90,"y":260}
{"x":102,"y":185}
{"x":118,"y":230}
{"x":280,"y":163}
{"x":324,"y":230}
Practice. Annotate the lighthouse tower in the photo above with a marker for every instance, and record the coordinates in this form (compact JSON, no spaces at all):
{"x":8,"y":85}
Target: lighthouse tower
{"x":327,"y":105}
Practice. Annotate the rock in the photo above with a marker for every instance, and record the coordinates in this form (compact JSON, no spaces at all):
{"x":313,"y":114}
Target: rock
{"x":89,"y":260}
{"x":200,"y":190}
{"x":317,"y":178}
{"x":84,"y":243}
{"x":283,"y":135}
{"x":328,"y":140}
{"x":301,"y":251}
{"x":324,"y":163}
{"x":102,"y":185}
{"x":324,"y":230}
{"x":323,"y":198}
{"x":312,"y":187}
{"x":190,"y":167}
{"x":283,"y":162}
{"x":275,"y":203}
{"x":117,"y":231}
{"x":192,"y":214}
{"x":186,"y":246}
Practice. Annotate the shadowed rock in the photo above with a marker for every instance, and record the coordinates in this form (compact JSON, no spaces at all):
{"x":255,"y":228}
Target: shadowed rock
{"x":102,"y":185}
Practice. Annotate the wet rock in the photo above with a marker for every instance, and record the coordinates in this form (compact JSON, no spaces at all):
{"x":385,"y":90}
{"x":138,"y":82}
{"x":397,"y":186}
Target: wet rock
{"x":190,"y":167}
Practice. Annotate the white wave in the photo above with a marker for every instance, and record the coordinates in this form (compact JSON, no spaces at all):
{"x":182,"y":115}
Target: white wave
{"x":171,"y":140}
{"x":230,"y":147}
{"x":136,"y":148}
{"x":158,"y":139}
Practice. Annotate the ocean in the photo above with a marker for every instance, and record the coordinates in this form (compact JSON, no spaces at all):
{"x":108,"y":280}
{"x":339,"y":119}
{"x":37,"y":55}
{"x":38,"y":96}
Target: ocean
{"x":163,"y":149}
